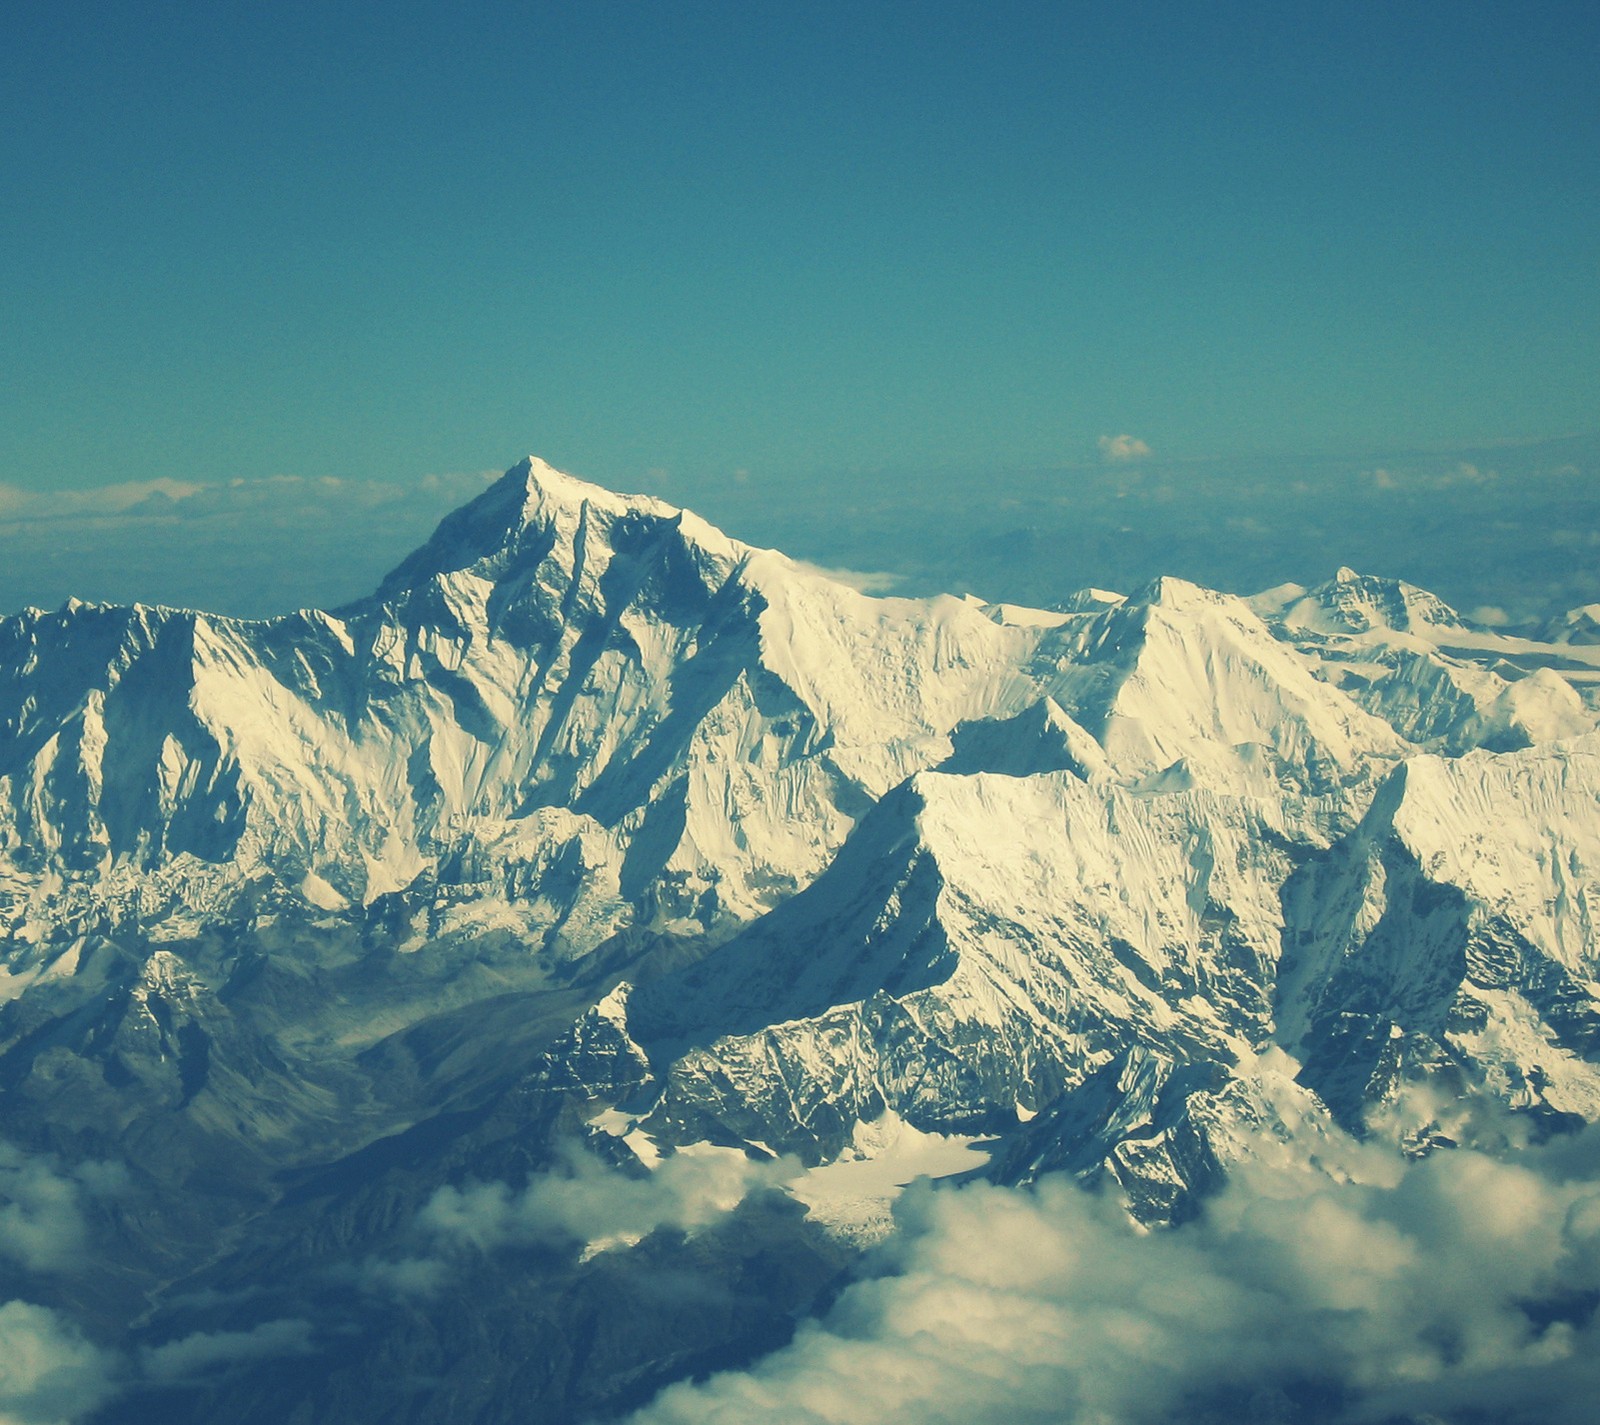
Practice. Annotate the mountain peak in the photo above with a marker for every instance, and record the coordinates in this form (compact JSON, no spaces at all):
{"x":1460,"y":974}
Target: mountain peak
{"x":1354,"y":603}
{"x":1170,"y":592}
{"x":544,"y":488}
{"x":532,"y":492}
{"x":1579,"y":625}
{"x":529,"y":503}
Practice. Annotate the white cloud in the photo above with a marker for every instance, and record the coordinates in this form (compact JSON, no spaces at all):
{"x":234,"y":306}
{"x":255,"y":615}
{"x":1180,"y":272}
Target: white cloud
{"x":595,"y":1204}
{"x":1119,"y":449}
{"x":863,"y":581}
{"x":583,"y":1203}
{"x":208,"y":1351}
{"x":1294,"y":1297}
{"x":1463,"y":475}
{"x":43,"y":1226}
{"x":403,"y":1276}
{"x":48,"y":1372}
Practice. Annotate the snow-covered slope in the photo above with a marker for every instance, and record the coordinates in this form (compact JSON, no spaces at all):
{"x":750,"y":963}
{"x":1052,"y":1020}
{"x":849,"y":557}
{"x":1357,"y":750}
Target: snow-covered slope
{"x":1178,"y":677}
{"x":1409,"y":658}
{"x":982,"y":942}
{"x":1458,"y":927}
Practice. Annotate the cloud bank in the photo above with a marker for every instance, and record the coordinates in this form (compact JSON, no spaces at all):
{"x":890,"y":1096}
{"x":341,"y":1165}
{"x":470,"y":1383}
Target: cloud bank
{"x":1458,"y":1288}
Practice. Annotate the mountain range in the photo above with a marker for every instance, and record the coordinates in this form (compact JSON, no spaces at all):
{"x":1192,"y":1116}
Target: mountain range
{"x":394,"y":996}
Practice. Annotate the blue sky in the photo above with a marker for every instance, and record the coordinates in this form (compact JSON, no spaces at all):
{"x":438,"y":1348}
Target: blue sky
{"x":827,"y":246}
{"x":350,"y":239}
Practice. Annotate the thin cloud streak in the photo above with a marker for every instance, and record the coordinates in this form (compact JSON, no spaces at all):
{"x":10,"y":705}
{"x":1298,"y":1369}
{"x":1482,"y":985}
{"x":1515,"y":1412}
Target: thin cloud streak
{"x":205,"y":1352}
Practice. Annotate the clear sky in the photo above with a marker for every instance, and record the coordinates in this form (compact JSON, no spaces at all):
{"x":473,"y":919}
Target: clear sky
{"x":373,"y":241}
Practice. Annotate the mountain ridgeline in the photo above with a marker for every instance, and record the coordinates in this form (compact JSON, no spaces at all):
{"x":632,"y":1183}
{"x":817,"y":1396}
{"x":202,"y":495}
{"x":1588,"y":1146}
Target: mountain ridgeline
{"x":597,"y":839}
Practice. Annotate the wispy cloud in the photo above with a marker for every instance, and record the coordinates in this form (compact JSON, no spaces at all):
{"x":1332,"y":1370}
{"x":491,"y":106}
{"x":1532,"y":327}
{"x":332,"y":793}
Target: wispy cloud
{"x":149,"y":497}
{"x":864,"y":581}
{"x":205,"y":1352}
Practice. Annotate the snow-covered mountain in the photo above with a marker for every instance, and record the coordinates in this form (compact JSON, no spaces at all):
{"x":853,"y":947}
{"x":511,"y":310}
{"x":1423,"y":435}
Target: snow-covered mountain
{"x":570,"y":713}
{"x":1411,"y":659}
{"x":594,"y":821}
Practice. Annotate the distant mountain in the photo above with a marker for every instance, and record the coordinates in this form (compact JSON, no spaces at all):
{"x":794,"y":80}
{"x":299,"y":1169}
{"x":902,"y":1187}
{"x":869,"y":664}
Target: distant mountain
{"x":1580,"y":625}
{"x":594,"y":831}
